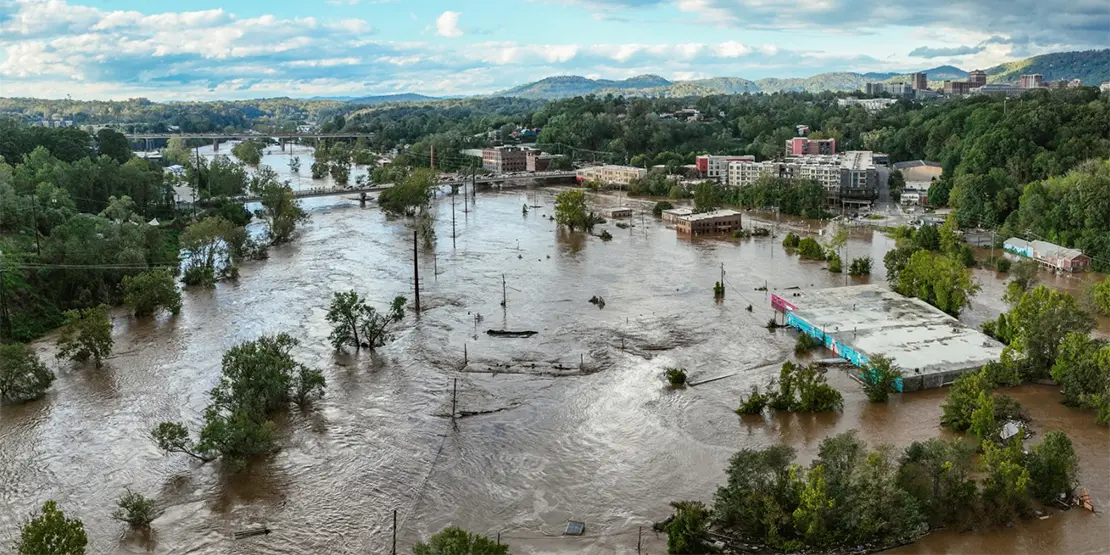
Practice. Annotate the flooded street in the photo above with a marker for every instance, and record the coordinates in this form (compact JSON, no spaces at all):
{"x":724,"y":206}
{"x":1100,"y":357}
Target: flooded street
{"x":585,"y":427}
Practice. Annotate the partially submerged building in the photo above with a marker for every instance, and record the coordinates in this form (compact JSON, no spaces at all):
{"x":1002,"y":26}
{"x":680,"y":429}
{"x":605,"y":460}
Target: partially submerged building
{"x":861,"y":322}
{"x":716,"y":221}
{"x":1049,"y":255}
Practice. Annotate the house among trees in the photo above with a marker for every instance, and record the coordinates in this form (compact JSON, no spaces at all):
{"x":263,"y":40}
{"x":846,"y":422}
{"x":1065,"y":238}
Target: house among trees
{"x":1049,"y":255}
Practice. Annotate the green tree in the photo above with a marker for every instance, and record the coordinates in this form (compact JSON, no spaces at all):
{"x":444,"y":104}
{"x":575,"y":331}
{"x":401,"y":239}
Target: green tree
{"x":983,"y":425}
{"x":660,"y":206}
{"x":688,"y":529}
{"x":1023,"y":276}
{"x":937,"y":280}
{"x":176,"y":152}
{"x":87,"y":335}
{"x":897,"y":183}
{"x":1053,"y":467}
{"x":950,"y":238}
{"x":754,"y":404}
{"x":707,"y":197}
{"x":280,"y":210}
{"x":356,"y":323}
{"x":207,"y":250}
{"x":135,"y":509}
{"x":173,"y":437}
{"x":456,"y":541}
{"x":880,"y":378}
{"x":1040,"y":321}
{"x":1100,"y":297}
{"x":814,"y":514}
{"x":963,"y":399}
{"x":1006,"y":485}
{"x":410,"y":195}
{"x":249,"y":152}
{"x":810,"y":248}
{"x":571,"y":210}
{"x":760,"y":495}
{"x":23,"y":377}
{"x":51,"y":533}
{"x":150,"y":291}
{"x":791,"y":241}
{"x":113,"y":144}
{"x":938,"y":473}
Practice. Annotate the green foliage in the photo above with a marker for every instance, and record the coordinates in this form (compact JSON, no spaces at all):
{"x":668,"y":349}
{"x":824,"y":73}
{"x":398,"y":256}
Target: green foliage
{"x":1053,"y":467}
{"x":571,"y":210}
{"x":791,"y":241}
{"x":810,"y":248}
{"x":805,"y":343}
{"x":1040,"y":322}
{"x":151,"y":291}
{"x":675,"y":376}
{"x":1023,"y":277}
{"x":937,"y":473}
{"x":23,"y":377}
{"x":356,"y":323}
{"x":660,"y":206}
{"x":113,"y":144}
{"x":280,"y":210}
{"x":410,"y":196}
{"x":795,"y":197}
{"x":937,"y":280}
{"x":1100,"y":297}
{"x":230,"y":210}
{"x":861,"y":266}
{"x":1006,"y":485}
{"x":87,"y":335}
{"x":897,"y":183}
{"x":983,"y":424}
{"x":814,"y":394}
{"x":754,"y":404}
{"x":834,"y":263}
{"x":456,"y":541}
{"x":963,"y":399}
{"x":708,"y":196}
{"x":1002,"y":265}
{"x":135,"y":509}
{"x":1082,"y":369}
{"x":219,"y":177}
{"x":927,"y":238}
{"x":688,"y":529}
{"x":51,"y":533}
{"x":249,"y":152}
{"x":258,"y":378}
{"x":815,"y":510}
{"x":879,"y":378}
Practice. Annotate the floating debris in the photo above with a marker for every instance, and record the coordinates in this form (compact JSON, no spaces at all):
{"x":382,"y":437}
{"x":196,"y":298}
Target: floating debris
{"x":510,"y":333}
{"x":575,"y":528}
{"x":251,"y":533}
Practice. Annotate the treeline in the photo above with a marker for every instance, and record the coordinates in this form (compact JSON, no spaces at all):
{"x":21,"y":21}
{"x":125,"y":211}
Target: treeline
{"x":854,"y":496}
{"x":142,"y":115}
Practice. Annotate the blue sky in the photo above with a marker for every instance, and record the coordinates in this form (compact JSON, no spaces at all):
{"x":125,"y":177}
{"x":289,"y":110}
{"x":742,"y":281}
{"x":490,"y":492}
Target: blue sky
{"x":207,"y":49}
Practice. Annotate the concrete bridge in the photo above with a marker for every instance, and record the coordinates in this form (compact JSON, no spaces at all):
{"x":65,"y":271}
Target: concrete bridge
{"x":363,"y":191}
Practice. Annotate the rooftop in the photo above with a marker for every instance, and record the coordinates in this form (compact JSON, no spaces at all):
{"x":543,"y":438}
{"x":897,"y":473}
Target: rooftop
{"x":916,"y":163}
{"x":921,"y":339}
{"x":710,"y":215}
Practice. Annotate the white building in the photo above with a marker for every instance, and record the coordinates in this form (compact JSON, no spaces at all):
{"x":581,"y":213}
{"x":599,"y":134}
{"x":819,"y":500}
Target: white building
{"x":869,"y":104}
{"x":716,"y":167}
{"x":614,"y":175}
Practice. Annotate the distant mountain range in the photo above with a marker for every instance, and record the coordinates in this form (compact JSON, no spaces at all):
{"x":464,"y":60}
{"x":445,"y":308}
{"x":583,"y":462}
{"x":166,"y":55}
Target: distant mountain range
{"x":1091,"y":67}
{"x":381,"y":99}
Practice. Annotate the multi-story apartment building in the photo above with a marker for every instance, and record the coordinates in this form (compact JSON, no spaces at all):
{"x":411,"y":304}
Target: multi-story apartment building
{"x":849,"y":177}
{"x":976,"y":78}
{"x":612,"y":175}
{"x":1031,"y":81}
{"x":716,"y":167}
{"x":919,"y":81}
{"x":957,"y":87}
{"x":504,"y":159}
{"x":802,"y":146}
{"x":893,"y":89}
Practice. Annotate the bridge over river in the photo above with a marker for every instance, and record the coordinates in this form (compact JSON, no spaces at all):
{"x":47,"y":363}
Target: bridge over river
{"x":362,"y":191}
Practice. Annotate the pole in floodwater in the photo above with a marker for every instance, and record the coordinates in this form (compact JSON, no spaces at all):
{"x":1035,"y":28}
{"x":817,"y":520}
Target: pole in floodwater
{"x":639,"y":539}
{"x":465,"y":361}
{"x":454,"y":395}
{"x":394,"y":531}
{"x":415,"y":271}
{"x":504,"y":293}
{"x":453,"y":192}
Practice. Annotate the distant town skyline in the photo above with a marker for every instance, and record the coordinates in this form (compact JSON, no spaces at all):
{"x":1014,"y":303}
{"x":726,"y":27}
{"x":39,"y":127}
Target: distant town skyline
{"x":116,"y":49}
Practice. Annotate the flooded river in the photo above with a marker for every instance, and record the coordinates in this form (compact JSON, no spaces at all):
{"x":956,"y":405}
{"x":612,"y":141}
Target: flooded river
{"x":602,"y":440}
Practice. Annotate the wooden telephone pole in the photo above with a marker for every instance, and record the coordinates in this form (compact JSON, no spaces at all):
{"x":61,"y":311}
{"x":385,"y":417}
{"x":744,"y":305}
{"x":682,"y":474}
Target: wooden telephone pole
{"x":415,"y":270}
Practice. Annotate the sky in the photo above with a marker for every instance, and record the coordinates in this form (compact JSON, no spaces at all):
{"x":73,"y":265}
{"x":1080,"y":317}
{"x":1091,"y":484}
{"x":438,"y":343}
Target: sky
{"x":234,"y":49}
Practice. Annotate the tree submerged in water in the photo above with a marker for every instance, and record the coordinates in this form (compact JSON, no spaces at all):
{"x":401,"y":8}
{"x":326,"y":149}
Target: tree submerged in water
{"x":456,"y":541}
{"x":23,"y":377}
{"x":49,"y":532}
{"x":676,"y":376}
{"x":87,"y":336}
{"x":718,"y":290}
{"x":357,"y":324}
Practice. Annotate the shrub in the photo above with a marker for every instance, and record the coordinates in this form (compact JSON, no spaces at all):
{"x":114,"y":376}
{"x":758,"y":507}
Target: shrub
{"x":688,"y":529}
{"x":135,"y":509}
{"x":834,"y":264}
{"x":23,"y":377}
{"x":676,"y":376}
{"x":1053,"y":467}
{"x":51,"y":533}
{"x":1002,"y":265}
{"x":791,"y":240}
{"x":880,"y":378}
{"x":150,"y":291}
{"x":805,"y":343}
{"x":754,"y":404}
{"x":810,"y":248}
{"x":660,"y":207}
{"x":860,"y":266}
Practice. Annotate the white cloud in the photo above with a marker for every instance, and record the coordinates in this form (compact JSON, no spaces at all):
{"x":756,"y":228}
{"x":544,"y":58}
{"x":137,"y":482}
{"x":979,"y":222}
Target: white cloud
{"x":447,"y":24}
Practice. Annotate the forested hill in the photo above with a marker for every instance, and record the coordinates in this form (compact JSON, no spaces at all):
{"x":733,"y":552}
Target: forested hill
{"x":1092,"y":67}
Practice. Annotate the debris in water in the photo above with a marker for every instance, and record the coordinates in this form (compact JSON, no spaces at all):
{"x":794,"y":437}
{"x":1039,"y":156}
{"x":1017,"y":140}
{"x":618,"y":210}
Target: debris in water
{"x":251,"y":533}
{"x":597,"y":300}
{"x":749,"y":309}
{"x":575,"y":528}
{"x":508,"y":333}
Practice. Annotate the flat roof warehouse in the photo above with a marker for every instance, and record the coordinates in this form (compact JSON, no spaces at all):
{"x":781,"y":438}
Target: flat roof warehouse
{"x":857,"y":323}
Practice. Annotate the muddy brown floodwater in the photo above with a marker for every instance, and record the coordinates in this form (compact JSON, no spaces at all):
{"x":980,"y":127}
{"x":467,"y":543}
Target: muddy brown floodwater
{"x":609,"y":444}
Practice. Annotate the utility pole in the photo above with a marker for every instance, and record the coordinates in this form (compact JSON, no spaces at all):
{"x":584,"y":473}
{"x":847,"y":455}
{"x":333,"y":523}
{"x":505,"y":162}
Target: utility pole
{"x":35,"y":225}
{"x":453,"y":193}
{"x":415,"y":271}
{"x":722,"y":274}
{"x":394,"y":531}
{"x":454,"y":396}
{"x":504,"y":294}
